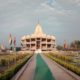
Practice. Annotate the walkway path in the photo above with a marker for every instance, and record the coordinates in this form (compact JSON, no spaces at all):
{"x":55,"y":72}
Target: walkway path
{"x":29,"y":71}
{"x":59,"y":73}
{"x":43,"y":68}
{"x":42,"y":72}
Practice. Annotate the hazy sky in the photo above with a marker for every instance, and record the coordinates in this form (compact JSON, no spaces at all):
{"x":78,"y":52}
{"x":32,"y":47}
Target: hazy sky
{"x":57,"y":17}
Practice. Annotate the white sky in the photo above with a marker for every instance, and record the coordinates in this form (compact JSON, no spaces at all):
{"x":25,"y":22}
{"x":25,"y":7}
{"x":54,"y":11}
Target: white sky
{"x":57,"y":17}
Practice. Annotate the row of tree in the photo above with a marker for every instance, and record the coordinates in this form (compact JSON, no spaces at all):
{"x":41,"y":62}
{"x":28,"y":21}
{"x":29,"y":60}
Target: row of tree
{"x":75,"y":45}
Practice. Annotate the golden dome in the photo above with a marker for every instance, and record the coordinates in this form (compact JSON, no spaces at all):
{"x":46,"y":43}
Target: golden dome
{"x":38,"y":30}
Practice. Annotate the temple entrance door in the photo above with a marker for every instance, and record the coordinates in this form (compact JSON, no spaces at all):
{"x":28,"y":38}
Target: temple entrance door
{"x":37,"y":44}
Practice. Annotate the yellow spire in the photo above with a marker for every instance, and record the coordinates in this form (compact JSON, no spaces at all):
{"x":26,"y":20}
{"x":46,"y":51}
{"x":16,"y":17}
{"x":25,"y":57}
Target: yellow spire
{"x":38,"y":29}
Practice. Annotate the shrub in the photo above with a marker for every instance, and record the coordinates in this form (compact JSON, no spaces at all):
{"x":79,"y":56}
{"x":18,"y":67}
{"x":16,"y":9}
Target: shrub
{"x":66,"y":64}
{"x":7,"y":75}
{"x":3,"y":62}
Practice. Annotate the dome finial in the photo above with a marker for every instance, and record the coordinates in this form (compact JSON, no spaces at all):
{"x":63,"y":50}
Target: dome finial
{"x":38,"y":20}
{"x":38,"y":29}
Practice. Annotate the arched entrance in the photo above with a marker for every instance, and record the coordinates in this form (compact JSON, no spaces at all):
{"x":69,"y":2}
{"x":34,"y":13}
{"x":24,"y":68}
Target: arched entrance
{"x":38,"y":43}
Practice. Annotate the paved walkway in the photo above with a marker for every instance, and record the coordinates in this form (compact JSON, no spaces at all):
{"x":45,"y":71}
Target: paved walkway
{"x":29,"y":71}
{"x":58,"y":72}
{"x":42,"y":71}
{"x":43,"y":68}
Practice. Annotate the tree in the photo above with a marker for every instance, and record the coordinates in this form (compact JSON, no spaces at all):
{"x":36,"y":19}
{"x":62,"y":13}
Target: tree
{"x":75,"y":44}
{"x":59,"y":47}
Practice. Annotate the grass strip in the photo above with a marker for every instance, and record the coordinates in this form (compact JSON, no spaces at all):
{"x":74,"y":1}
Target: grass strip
{"x":42,"y":71}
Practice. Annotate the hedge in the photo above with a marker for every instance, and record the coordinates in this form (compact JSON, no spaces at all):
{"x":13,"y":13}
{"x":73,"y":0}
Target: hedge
{"x":8,"y":74}
{"x":67,"y":65}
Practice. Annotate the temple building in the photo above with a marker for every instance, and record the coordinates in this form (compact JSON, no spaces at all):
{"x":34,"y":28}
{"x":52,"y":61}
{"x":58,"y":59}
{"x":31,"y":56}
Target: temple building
{"x":38,"y":40}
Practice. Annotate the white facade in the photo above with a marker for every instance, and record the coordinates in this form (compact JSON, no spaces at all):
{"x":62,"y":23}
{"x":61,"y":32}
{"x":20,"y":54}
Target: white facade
{"x":38,"y":40}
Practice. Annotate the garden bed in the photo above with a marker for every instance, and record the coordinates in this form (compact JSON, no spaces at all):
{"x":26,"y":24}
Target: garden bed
{"x":20,"y":60}
{"x":65,"y":62}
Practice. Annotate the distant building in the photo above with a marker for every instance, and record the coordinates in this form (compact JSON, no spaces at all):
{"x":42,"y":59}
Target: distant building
{"x":38,"y":40}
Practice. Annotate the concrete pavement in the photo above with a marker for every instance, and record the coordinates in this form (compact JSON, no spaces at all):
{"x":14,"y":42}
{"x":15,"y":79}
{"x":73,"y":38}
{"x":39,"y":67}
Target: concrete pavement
{"x":42,"y":71}
{"x":29,"y":72}
{"x":57,"y":71}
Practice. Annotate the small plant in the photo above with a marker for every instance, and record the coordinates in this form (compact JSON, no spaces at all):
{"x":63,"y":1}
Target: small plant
{"x":64,"y":61}
{"x":11,"y":71}
{"x":3,"y":62}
